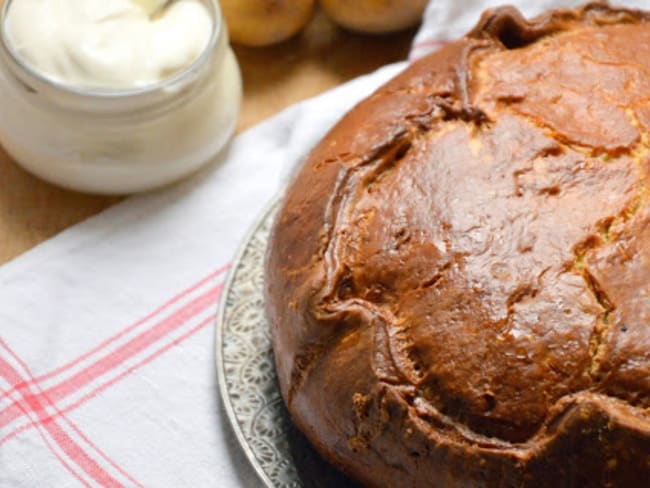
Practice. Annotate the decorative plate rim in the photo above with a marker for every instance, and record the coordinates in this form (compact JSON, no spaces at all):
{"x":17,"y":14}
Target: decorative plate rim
{"x":219,"y":340}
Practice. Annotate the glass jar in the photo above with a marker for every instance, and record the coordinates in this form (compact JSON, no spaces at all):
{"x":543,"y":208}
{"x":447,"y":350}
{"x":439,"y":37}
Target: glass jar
{"x":120,"y":141}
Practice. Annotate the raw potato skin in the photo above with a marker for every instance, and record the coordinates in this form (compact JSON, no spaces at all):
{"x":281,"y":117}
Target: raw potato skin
{"x":265,"y":22}
{"x":375,"y":16}
{"x":458,"y":280}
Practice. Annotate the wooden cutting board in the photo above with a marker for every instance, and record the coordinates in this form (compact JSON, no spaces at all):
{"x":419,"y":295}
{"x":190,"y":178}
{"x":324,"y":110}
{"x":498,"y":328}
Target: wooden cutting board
{"x":322,"y":57}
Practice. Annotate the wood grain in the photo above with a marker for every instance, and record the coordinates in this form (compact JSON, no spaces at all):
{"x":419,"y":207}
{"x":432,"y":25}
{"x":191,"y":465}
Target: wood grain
{"x":321,"y":57}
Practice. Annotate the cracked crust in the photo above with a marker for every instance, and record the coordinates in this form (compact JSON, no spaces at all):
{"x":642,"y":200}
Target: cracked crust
{"x":458,"y":280}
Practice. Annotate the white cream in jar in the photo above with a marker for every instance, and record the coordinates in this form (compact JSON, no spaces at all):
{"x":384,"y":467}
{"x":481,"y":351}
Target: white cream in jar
{"x":108,"y":44}
{"x":102,"y":96}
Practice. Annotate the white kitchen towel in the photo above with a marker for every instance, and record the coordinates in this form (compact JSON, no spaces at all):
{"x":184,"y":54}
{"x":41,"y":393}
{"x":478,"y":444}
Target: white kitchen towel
{"x":107,"y":373}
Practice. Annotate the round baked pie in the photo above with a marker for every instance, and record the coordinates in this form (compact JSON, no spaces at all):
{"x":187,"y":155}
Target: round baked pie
{"x":458,"y":281}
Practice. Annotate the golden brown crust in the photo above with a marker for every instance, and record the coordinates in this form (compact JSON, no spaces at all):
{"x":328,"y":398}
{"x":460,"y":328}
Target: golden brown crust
{"x":459,"y":278}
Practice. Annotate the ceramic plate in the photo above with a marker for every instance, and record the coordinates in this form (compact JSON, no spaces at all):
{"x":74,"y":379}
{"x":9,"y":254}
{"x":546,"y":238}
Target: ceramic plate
{"x":249,"y":390}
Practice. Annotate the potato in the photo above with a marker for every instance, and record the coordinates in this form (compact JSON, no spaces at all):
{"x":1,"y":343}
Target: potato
{"x":375,"y":16}
{"x":264,"y":22}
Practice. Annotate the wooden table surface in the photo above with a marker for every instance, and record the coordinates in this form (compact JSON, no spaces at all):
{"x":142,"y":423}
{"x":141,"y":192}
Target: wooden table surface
{"x":321,"y":57}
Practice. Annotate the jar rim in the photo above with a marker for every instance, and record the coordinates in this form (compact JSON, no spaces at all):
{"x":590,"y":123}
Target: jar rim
{"x":114,"y":94}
